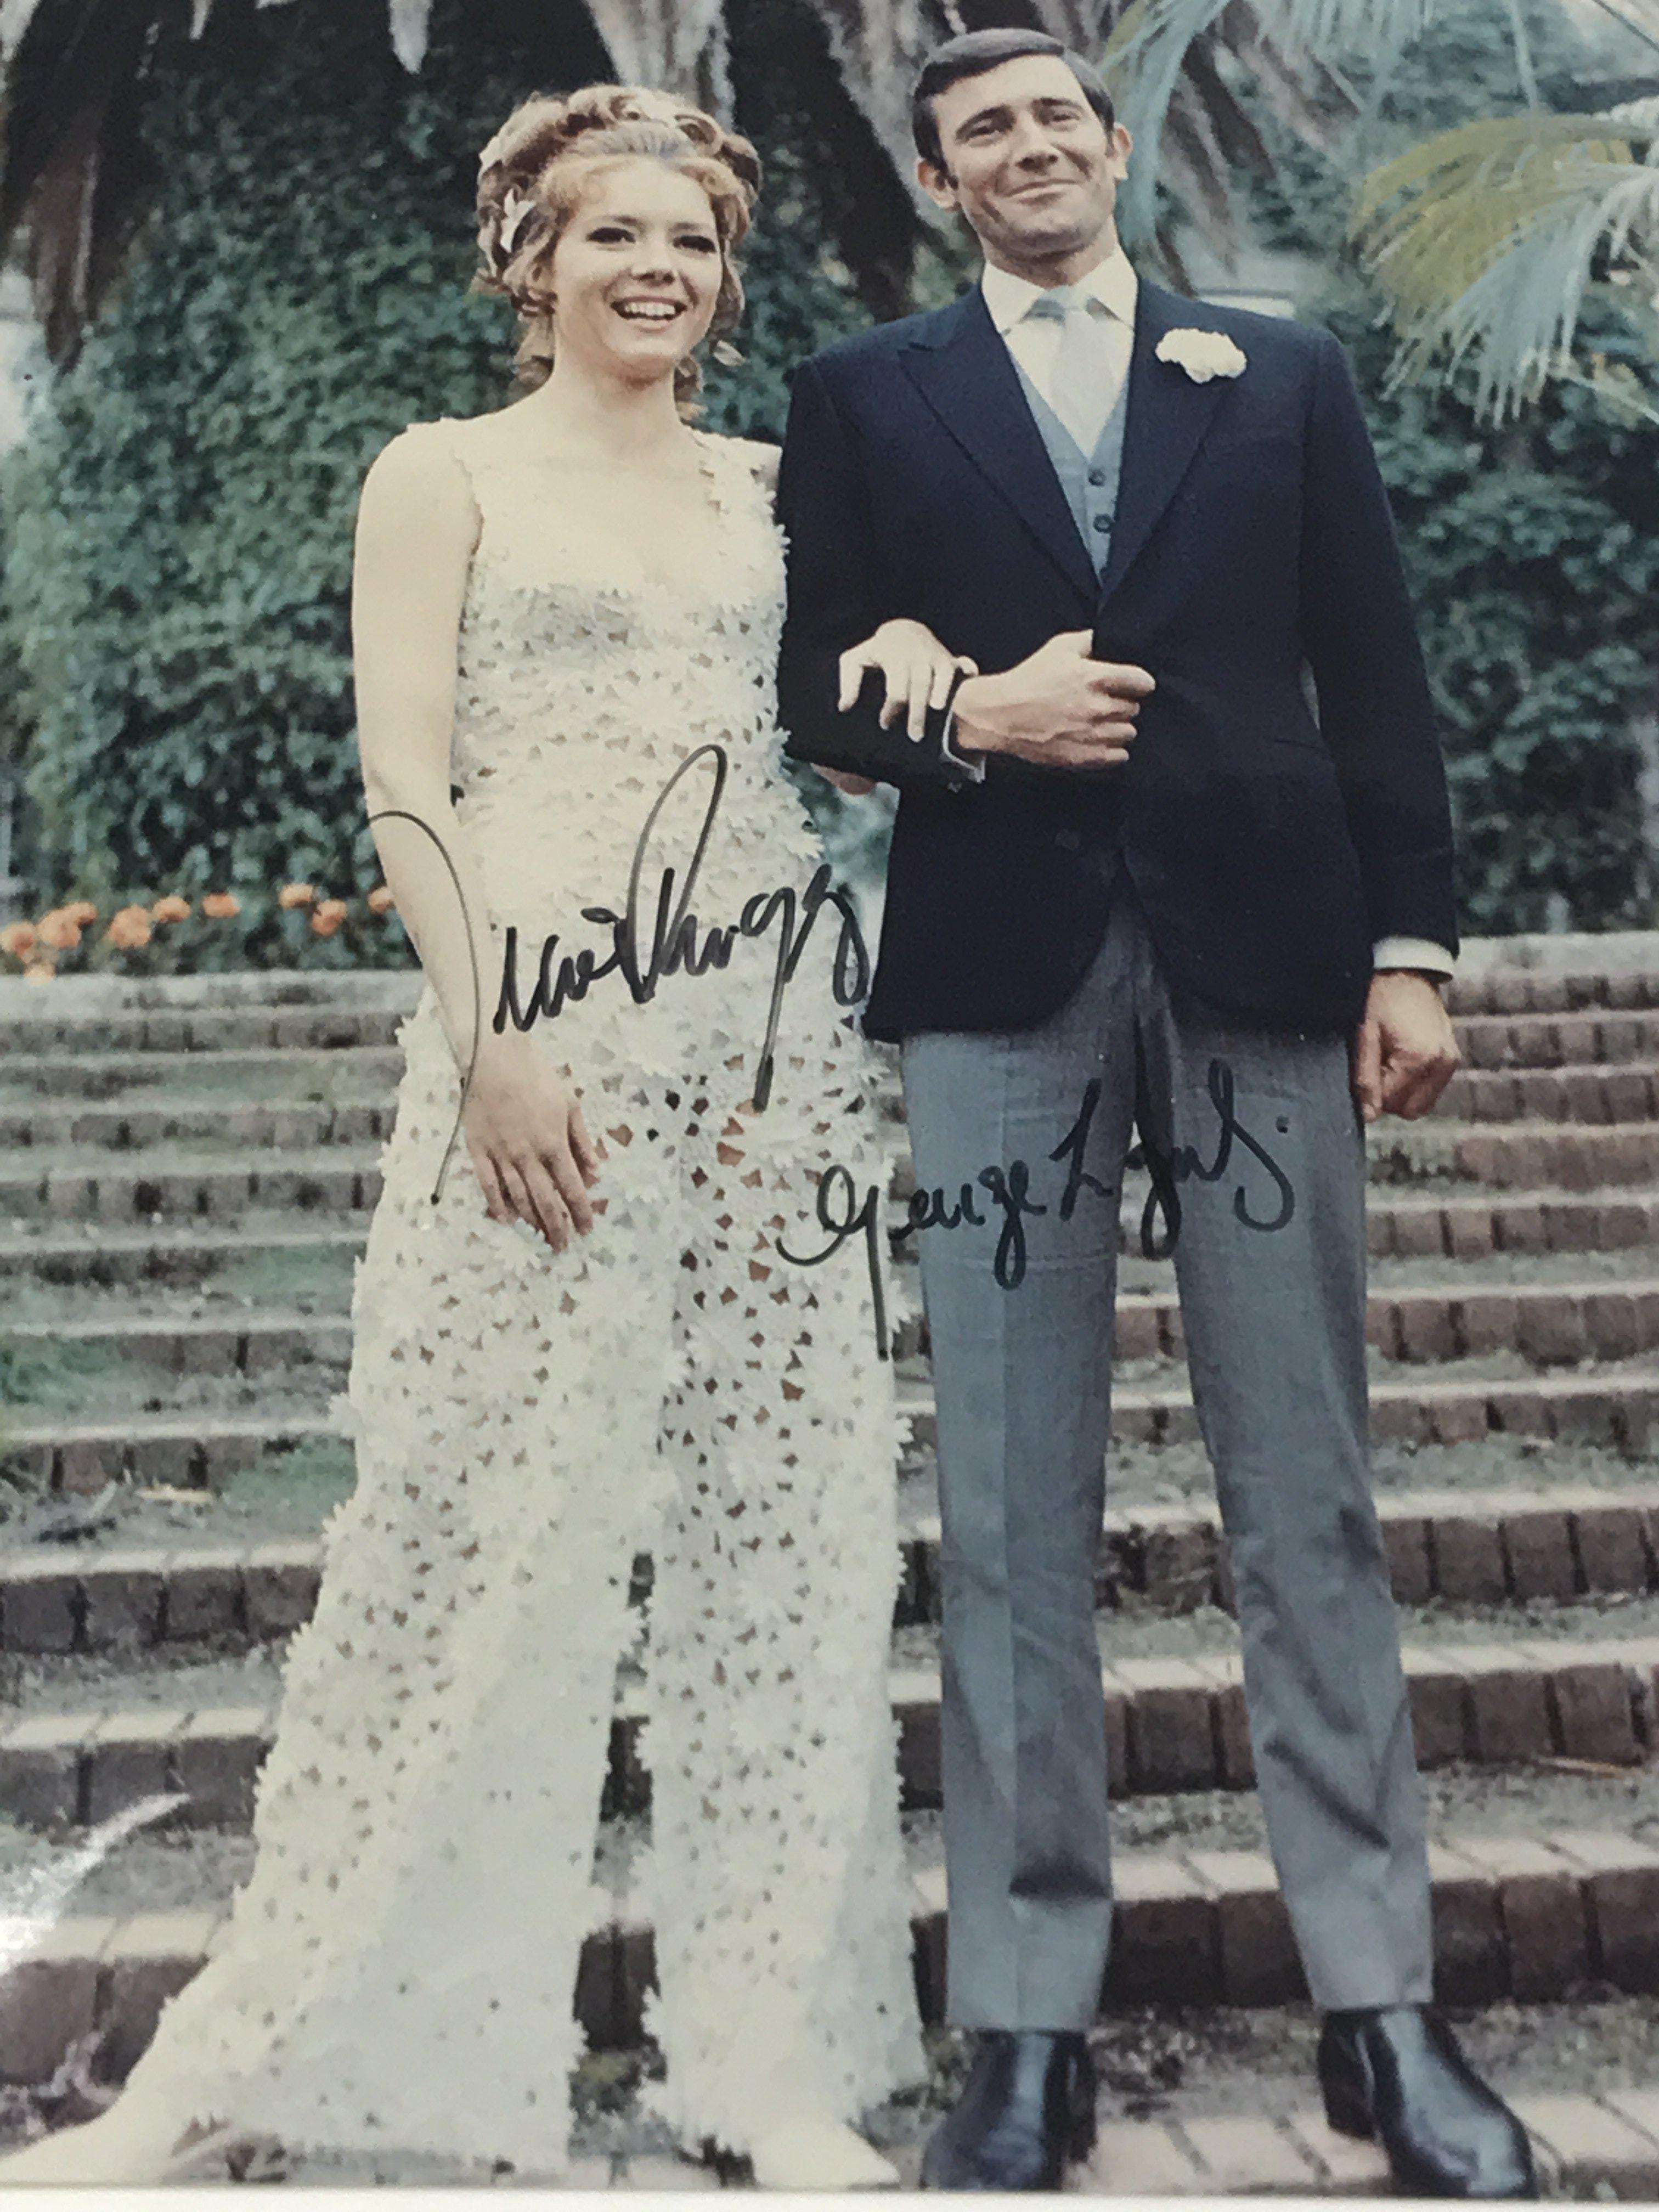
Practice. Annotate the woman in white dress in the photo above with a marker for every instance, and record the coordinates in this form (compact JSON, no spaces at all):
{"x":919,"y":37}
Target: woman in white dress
{"x":588,"y":1343}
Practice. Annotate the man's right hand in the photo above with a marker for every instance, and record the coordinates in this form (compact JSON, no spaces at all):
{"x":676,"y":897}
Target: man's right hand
{"x":1059,"y":708}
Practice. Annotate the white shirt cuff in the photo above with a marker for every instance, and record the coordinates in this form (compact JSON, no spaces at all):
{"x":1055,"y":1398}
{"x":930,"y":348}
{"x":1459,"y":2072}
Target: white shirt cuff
{"x":974,"y":769}
{"x":1418,"y":952}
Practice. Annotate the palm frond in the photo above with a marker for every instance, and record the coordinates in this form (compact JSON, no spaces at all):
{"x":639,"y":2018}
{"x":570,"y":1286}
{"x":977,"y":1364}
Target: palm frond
{"x":880,"y":46}
{"x":16,"y":16}
{"x":678,"y":46}
{"x":1292,"y":46}
{"x":410,"y":21}
{"x":1083,"y":24}
{"x":1485,"y":239}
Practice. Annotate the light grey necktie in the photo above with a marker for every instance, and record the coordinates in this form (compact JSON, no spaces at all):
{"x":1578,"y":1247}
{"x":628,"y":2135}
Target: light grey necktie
{"x":1080,"y":385}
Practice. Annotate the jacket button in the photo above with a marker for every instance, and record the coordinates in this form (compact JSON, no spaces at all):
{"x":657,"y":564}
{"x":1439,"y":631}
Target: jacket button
{"x":1102,"y":522}
{"x":1096,"y":476}
{"x":1067,"y":840}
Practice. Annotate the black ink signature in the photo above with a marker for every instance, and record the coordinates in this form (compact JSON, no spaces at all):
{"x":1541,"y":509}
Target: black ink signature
{"x":674,"y":940}
{"x":840,"y":1214}
{"x":1168,"y":1171}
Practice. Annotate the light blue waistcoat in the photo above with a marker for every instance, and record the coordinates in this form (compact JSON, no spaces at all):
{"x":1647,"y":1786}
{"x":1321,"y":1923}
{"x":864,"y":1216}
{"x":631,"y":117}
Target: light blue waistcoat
{"x":1090,"y":481}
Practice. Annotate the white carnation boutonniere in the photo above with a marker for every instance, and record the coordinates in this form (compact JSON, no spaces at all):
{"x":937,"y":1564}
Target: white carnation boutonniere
{"x":1202,"y":354}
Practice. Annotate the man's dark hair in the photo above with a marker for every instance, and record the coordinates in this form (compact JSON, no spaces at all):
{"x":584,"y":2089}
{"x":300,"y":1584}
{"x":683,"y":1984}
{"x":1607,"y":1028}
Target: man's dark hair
{"x":972,"y":55}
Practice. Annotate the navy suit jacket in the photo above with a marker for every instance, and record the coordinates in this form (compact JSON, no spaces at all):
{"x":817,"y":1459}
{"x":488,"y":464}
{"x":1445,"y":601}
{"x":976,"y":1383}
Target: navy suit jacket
{"x":1269,"y":845}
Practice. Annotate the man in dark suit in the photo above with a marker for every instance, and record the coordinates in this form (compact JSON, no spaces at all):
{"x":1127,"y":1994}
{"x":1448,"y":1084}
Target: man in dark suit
{"x":1138,"y":884}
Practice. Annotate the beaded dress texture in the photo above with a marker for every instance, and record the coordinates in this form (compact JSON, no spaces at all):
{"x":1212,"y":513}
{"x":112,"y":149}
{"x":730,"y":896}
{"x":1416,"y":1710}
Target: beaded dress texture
{"x":400,"y":1970}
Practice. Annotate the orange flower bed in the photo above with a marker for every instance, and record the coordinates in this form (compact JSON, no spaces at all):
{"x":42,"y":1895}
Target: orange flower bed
{"x":18,"y":938}
{"x":220,"y":906}
{"x":380,"y":900}
{"x":330,"y":914}
{"x":293,"y":894}
{"x":129,"y":928}
{"x":58,"y":931}
{"x":171,"y":908}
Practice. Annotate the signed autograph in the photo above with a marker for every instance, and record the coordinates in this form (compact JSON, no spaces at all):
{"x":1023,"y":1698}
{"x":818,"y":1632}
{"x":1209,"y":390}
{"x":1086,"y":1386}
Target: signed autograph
{"x":675,"y":947}
{"x":843,"y":1215}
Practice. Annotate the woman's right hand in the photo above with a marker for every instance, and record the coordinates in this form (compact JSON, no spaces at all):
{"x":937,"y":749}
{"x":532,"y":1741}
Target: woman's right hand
{"x":534,"y":1159}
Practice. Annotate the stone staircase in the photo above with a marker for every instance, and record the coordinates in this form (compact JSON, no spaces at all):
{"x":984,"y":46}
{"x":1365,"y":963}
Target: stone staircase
{"x":186,"y":1174}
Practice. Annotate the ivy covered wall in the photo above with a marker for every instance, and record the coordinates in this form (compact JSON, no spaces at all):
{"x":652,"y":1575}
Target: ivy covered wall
{"x":180,"y":523}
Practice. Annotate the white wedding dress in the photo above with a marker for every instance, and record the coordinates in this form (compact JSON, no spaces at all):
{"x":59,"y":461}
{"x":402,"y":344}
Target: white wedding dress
{"x":398,"y":1972}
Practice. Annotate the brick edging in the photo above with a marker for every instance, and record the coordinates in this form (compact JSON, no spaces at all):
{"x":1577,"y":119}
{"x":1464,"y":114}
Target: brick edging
{"x":1526,"y":1919}
{"x":1466,"y":1546}
{"x":1614,"y":1407}
{"x":1583,"y":2143}
{"x":1172,"y":1724}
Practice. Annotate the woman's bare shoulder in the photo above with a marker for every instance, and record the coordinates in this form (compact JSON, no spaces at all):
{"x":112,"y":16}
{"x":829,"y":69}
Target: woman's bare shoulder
{"x":419,"y":476}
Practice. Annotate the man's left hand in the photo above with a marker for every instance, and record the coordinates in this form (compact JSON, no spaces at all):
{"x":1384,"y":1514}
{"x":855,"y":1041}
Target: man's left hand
{"x":1406,"y":1052}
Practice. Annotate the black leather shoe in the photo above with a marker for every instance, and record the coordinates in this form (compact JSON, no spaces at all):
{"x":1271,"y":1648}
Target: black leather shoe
{"x":1027,"y":2107}
{"x":1396,"y":2076}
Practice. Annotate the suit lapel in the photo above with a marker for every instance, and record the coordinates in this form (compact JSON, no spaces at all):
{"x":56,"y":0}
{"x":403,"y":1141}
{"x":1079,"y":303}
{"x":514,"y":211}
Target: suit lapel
{"x":1168,"y":414}
{"x":963,"y":370}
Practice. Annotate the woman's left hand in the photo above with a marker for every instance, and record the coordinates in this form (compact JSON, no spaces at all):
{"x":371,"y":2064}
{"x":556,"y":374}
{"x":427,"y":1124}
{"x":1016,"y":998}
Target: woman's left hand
{"x":915,"y":667}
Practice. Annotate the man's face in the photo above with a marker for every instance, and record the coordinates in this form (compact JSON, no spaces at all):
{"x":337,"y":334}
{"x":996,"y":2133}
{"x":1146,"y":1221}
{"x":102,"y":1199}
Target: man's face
{"x":1028,"y":163}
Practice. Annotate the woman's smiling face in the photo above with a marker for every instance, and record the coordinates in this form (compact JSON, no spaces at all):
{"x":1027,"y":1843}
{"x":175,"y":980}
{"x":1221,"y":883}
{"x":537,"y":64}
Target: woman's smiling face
{"x":636,"y":271}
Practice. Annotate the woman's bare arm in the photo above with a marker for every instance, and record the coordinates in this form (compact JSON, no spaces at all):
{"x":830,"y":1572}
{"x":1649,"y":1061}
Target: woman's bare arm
{"x":416,"y":527}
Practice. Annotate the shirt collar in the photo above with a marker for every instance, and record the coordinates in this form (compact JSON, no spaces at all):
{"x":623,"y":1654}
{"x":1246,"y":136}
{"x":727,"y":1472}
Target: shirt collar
{"x":1113,"y":282}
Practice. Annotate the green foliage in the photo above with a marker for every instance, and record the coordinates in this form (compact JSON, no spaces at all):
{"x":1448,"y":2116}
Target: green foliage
{"x":180,"y":523}
{"x":176,"y":677}
{"x":1533,"y":550}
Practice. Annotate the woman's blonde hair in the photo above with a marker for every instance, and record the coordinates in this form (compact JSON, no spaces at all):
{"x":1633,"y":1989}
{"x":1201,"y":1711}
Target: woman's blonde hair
{"x":534,"y":171}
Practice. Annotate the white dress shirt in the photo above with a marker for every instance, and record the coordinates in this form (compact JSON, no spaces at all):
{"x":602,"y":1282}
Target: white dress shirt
{"x":1111,"y":290}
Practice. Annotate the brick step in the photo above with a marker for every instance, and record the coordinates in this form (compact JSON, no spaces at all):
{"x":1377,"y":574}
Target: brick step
{"x":1466,"y":1226}
{"x":1588,"y":2146}
{"x":1520,"y":1155}
{"x":1562,"y":1158}
{"x":1598,"y":1214}
{"x":1547,"y":973}
{"x":115,"y":1256}
{"x":184,"y":1450}
{"x":1585,"y":2147}
{"x":1552,"y":1324}
{"x":1610,"y":1407}
{"x":1399,"y":1226}
{"x":1592,"y":1094}
{"x":1590,"y":1037}
{"x":87,"y":1010}
{"x":257,"y":1073}
{"x":245,"y":1343}
{"x":1448,"y":1223}
{"x":1459,"y":1548}
{"x":242,"y":1027}
{"x":1173,"y":1725}
{"x":129,"y":1125}
{"x":329,"y":1178}
{"x":1527,"y":1918}
{"x":1614,"y":1406}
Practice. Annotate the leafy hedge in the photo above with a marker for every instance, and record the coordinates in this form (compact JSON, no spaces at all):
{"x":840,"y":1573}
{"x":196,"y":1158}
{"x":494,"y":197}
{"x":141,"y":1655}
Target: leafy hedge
{"x":181,"y":519}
